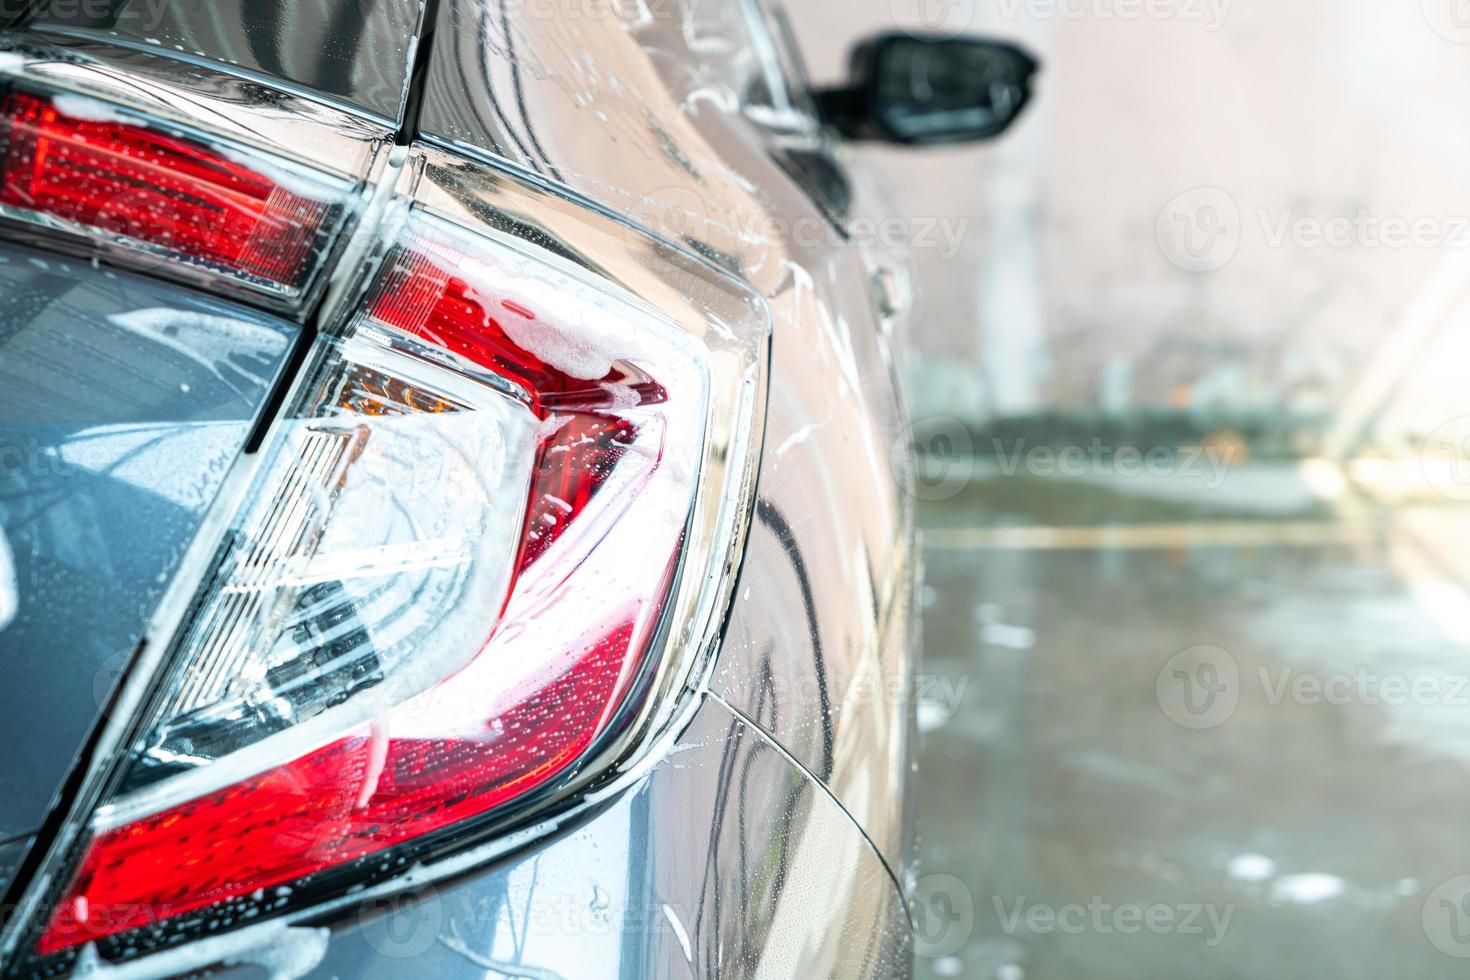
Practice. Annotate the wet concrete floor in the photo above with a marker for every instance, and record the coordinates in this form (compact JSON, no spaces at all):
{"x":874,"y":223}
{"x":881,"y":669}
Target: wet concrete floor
{"x":1178,"y":731}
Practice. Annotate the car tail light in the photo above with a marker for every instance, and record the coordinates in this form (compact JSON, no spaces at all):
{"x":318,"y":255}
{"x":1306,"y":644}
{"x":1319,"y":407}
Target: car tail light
{"x":452,"y":580}
{"x":80,"y":165}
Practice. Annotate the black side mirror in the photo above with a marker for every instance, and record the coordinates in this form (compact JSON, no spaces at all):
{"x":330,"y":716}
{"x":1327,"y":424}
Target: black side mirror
{"x":928,"y":90}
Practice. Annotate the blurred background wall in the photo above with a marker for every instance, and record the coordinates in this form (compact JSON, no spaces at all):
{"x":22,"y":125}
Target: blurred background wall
{"x":1222,"y":216}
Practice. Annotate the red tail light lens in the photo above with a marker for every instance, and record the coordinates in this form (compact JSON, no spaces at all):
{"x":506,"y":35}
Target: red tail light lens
{"x":449,"y":584}
{"x":72,"y":162}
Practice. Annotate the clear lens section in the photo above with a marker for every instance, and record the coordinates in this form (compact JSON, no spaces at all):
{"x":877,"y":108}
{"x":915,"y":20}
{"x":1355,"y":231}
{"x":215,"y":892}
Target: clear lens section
{"x":372,"y":564}
{"x":445,"y":586}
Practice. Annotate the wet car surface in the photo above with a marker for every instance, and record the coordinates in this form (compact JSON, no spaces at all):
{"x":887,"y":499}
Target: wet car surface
{"x":655,"y":182}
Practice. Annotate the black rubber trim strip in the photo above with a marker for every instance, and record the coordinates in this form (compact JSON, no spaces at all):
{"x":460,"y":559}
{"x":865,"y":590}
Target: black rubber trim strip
{"x":285,"y":378}
{"x":413,"y":109}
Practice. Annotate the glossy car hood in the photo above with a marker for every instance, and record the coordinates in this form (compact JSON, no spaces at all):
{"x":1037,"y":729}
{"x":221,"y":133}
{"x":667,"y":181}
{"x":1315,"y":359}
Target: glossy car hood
{"x":123,"y":404}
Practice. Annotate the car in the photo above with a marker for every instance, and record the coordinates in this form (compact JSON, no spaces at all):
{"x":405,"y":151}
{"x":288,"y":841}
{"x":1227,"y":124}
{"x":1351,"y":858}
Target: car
{"x":455,"y":489}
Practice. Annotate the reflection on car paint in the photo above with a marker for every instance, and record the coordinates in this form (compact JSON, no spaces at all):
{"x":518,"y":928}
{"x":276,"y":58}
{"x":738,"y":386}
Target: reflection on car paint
{"x":638,"y":114}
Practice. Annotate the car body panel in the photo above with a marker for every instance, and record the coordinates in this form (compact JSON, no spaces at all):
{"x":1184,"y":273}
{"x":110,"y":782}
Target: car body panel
{"x":640,"y":111}
{"x":123,"y":404}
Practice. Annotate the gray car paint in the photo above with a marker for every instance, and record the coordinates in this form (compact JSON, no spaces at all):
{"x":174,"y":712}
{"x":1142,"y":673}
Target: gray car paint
{"x":123,"y":402}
